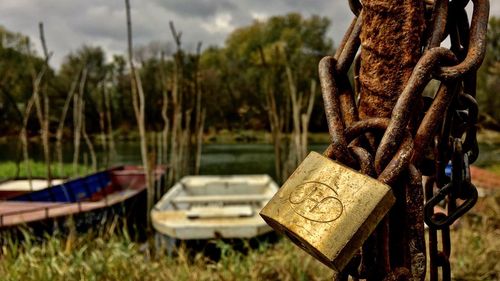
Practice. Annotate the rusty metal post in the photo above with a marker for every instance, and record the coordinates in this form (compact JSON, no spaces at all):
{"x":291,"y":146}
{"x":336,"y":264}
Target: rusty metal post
{"x":391,"y":37}
{"x":389,"y":132}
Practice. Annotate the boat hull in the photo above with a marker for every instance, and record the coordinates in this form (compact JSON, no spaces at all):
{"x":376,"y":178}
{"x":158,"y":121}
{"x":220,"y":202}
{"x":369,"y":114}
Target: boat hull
{"x":130,"y":213}
{"x":207,"y":207}
{"x":117,"y":195}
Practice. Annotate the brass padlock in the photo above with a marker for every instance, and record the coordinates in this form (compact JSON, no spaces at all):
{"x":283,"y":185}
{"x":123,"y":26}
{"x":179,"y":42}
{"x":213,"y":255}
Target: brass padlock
{"x":328,"y":209}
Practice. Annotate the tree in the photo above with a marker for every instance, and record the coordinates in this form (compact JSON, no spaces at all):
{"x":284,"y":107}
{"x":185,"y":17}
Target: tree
{"x":265,"y":73}
{"x":16,"y":79}
{"x":489,"y":78}
{"x":138,"y":102}
{"x":238,"y":90}
{"x":94,"y":60}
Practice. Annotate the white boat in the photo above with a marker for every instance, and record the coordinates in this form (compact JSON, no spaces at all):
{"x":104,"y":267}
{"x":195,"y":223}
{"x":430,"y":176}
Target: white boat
{"x":11,"y":188}
{"x":205,"y":207}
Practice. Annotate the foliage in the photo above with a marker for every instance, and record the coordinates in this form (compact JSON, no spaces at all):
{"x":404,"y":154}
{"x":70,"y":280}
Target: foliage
{"x":242,"y":67}
{"x":109,"y":254}
{"x":489,"y":77}
{"x":113,"y":256}
{"x":495,"y":168}
{"x":233,"y":78}
{"x":475,"y":246}
{"x":93,"y":59}
{"x":9,"y":169}
{"x":17,"y":67}
{"x":230,"y":77}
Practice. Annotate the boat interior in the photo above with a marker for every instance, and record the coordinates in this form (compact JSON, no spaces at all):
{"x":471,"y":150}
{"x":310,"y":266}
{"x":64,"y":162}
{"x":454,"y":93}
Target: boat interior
{"x":218,"y":196}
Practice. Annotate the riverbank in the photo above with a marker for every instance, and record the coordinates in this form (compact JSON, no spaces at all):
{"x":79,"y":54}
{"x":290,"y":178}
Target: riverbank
{"x":10,"y":169}
{"x":224,"y":159}
{"x":110,"y":254}
{"x":210,"y":137}
{"x":237,"y":137}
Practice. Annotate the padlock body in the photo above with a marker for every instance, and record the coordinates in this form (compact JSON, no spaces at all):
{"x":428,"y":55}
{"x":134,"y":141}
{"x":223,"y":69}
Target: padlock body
{"x":328,"y":209}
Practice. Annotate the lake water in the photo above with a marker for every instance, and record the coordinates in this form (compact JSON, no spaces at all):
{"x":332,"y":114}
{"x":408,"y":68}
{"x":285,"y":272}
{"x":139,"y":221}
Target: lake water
{"x":221,"y":159}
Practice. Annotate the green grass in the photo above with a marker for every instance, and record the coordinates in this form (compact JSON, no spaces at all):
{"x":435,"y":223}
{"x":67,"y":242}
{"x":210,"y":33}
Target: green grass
{"x":113,"y":256}
{"x":476,"y":243}
{"x":494,"y":168}
{"x":110,"y":254}
{"x":251,"y":136}
{"x":38,"y":170}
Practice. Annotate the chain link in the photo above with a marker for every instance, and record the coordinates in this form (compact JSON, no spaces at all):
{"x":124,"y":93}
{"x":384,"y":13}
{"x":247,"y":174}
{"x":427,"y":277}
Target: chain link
{"x":388,"y":148}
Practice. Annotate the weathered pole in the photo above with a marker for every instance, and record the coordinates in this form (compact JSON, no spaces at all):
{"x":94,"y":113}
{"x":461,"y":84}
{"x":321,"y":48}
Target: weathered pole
{"x":391,"y":35}
{"x":392,"y":135}
{"x":60,"y":127}
{"x":43,"y":114}
{"x":391,"y":40}
{"x":138,"y":102}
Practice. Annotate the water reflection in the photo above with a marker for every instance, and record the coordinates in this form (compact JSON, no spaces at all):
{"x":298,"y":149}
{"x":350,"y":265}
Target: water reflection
{"x":221,"y":159}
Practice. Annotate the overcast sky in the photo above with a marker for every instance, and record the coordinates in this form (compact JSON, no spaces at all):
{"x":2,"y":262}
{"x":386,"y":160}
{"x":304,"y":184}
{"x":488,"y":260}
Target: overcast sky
{"x":72,"y":23}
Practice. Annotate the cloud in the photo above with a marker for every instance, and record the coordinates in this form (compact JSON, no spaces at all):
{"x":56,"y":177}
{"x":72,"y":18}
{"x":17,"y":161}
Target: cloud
{"x":199,"y":9}
{"x":260,"y":16}
{"x":72,"y":23}
{"x":222,"y":23}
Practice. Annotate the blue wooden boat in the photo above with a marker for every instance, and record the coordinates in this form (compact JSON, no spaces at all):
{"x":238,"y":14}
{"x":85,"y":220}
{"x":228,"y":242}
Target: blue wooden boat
{"x":14,"y":187}
{"x":90,"y":200}
{"x":80,"y":189}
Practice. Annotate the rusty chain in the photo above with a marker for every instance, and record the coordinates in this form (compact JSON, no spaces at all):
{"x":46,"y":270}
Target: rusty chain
{"x":422,"y":135}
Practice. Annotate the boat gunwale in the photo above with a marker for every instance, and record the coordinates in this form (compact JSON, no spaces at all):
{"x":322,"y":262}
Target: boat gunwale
{"x":253,"y":225}
{"x":82,"y":204}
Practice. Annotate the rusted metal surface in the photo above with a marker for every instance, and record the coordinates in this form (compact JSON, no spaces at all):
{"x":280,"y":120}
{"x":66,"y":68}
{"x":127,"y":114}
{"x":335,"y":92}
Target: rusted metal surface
{"x":333,"y":109}
{"x":398,"y":163}
{"x":342,"y":43}
{"x":390,"y":132}
{"x":439,"y":21}
{"x":364,"y":159}
{"x":476,"y":44}
{"x":390,"y":40}
{"x":402,"y":111}
{"x":439,"y":259}
{"x":398,"y":274}
{"x":414,"y":223}
{"x":350,"y":48}
{"x":430,"y":123}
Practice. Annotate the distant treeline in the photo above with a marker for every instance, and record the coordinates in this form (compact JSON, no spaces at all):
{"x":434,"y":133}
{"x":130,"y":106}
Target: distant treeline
{"x":234,"y":80}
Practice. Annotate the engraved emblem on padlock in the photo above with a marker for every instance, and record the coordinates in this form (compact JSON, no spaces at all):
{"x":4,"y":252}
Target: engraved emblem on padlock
{"x":328,"y":209}
{"x":316,"y":201}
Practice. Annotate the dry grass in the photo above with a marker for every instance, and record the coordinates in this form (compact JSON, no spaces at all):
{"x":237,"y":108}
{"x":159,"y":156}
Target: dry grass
{"x":495,"y":168}
{"x":488,"y":136}
{"x":476,"y":244}
{"x":111,"y":255}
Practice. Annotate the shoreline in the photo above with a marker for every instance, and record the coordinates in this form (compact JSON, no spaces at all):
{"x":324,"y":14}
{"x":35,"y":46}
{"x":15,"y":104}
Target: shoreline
{"x":237,"y":137}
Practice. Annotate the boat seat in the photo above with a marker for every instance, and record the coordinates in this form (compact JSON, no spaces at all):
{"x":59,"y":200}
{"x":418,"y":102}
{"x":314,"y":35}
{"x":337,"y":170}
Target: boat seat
{"x":220,"y":212}
{"x":240,"y":198}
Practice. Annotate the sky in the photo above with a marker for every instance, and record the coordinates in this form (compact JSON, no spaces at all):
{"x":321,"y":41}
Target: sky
{"x":71,"y":23}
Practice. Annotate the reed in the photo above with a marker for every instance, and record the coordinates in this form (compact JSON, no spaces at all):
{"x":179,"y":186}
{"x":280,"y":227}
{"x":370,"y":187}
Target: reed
{"x":10,"y":169}
{"x":115,"y":257}
{"x":110,"y":254}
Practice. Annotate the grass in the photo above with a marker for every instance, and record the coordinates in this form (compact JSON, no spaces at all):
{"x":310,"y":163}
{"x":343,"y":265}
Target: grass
{"x":111,"y":255}
{"x":250,"y":136}
{"x":476,"y":243}
{"x":488,"y":136}
{"x":115,"y":257}
{"x":494,"y":168}
{"x":8,"y":170}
